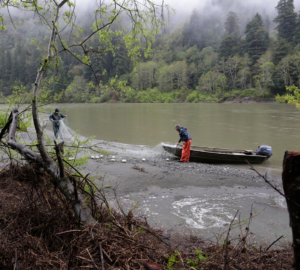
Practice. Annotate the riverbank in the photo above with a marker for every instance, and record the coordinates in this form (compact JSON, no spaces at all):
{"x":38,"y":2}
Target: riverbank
{"x":188,"y":205}
{"x":191,"y":198}
{"x":38,"y":229}
{"x":155,"y":96}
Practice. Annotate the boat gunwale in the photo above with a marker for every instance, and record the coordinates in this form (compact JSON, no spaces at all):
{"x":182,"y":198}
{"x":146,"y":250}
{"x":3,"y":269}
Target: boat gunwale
{"x":218,"y":153}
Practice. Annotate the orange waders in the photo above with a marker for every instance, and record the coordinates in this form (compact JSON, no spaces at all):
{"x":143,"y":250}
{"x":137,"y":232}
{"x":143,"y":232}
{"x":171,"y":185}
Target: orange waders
{"x":185,"y":155}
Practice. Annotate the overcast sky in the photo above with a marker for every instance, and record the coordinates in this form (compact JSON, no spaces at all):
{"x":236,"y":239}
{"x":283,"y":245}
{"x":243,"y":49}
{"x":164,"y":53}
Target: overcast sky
{"x":190,"y":4}
{"x":187,"y":6}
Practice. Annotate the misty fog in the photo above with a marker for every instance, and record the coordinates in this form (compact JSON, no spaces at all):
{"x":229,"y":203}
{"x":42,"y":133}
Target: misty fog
{"x":246,"y":9}
{"x":208,"y":9}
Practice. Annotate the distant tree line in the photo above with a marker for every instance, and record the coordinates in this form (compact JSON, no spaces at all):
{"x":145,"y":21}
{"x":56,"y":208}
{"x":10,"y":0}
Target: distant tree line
{"x":201,"y":60}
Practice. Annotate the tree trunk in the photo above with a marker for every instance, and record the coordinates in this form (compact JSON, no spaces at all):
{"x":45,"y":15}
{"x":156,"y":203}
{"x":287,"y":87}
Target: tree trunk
{"x":291,"y":186}
{"x":62,"y":182}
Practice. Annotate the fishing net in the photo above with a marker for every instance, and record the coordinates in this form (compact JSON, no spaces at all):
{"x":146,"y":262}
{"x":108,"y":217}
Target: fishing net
{"x":65,"y":133}
{"x":71,"y":137}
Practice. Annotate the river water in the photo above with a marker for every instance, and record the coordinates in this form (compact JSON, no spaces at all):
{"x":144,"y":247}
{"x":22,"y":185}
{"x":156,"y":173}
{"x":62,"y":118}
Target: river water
{"x":241,"y":126}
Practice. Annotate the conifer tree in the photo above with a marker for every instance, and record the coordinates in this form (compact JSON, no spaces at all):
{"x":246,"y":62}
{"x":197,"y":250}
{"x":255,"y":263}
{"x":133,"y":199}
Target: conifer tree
{"x":286,"y":19}
{"x":297,"y":33}
{"x":192,"y":31}
{"x":267,"y":24}
{"x":231,"y":41}
{"x":7,"y":65}
{"x":232,"y":26}
{"x":281,"y":50}
{"x":121,"y":62}
{"x":22,"y":71}
{"x":230,"y":46}
{"x":15,"y":67}
{"x":256,"y":40}
{"x":2,"y":65}
{"x":61,"y":80}
{"x":33,"y":65}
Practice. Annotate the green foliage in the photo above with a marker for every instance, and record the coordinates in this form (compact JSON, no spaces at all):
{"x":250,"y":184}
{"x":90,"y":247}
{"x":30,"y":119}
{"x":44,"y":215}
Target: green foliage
{"x":256,"y":38}
{"x":193,"y":97}
{"x":232,"y":26}
{"x":15,"y":101}
{"x":297,"y":30}
{"x":286,"y":19}
{"x":3,"y":119}
{"x":2,"y":26}
{"x":192,"y":62}
{"x":200,"y":258}
{"x":172,"y":260}
{"x":293,"y":98}
{"x":230,"y":43}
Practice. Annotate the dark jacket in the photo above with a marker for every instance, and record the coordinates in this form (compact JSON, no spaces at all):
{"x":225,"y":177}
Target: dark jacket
{"x":184,"y":135}
{"x":56,"y":118}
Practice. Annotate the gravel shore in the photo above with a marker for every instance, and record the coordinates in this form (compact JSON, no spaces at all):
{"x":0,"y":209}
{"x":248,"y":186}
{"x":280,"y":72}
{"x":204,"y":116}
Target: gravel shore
{"x":195,"y":197}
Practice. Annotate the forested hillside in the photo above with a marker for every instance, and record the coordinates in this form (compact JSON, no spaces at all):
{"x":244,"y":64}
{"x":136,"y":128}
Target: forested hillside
{"x":206,"y":57}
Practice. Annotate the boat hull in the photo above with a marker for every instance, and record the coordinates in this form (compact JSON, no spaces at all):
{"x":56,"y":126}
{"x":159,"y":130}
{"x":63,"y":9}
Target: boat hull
{"x":217,"y":155}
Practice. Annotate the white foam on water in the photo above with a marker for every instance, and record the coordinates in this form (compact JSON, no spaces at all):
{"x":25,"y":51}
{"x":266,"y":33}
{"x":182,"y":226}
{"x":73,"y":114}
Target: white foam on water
{"x":201,"y":213}
{"x":280,"y":201}
{"x":218,"y":210}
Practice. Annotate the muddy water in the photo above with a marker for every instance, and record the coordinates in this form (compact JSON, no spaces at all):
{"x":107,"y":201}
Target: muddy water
{"x":209,"y":211}
{"x":242,"y":126}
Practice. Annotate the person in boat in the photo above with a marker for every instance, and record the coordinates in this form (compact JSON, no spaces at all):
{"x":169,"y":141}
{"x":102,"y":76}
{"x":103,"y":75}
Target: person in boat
{"x":186,"y":138}
{"x":55,"y":117}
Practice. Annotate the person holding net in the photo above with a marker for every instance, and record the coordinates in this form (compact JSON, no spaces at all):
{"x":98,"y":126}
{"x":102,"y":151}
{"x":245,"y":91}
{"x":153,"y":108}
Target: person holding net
{"x":55,"y":117}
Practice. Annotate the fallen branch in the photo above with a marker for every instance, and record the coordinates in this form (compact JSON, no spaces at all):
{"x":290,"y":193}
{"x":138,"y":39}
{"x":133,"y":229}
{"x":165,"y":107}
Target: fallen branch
{"x":101,"y":254}
{"x":274,"y":242}
{"x":61,"y":181}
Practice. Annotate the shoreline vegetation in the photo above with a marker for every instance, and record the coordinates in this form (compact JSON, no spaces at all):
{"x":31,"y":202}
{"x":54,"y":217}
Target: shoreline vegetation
{"x":155,"y":96}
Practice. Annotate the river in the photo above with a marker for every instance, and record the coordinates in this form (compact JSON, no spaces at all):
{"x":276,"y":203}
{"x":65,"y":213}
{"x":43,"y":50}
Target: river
{"x":241,"y":126}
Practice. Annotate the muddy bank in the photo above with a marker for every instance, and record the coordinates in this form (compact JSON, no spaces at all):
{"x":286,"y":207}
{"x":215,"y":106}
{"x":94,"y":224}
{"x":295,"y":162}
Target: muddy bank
{"x":189,"y":197}
{"x":38,"y":230}
{"x":250,"y":100}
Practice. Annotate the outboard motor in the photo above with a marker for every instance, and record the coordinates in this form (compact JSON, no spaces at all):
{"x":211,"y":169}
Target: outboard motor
{"x":264,"y":150}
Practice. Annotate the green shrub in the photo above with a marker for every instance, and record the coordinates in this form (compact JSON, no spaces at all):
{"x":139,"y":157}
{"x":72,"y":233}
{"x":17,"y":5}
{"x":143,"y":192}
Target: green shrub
{"x":143,"y":97}
{"x":193,"y":97}
{"x":169,"y":99}
{"x":202,"y":98}
{"x":95,"y":100}
{"x":3,"y":119}
{"x":130,"y":95}
{"x":23,"y":124}
{"x":104,"y":98}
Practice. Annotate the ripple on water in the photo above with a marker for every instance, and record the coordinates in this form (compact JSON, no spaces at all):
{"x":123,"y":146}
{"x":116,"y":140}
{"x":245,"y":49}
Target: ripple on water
{"x":218,"y":210}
